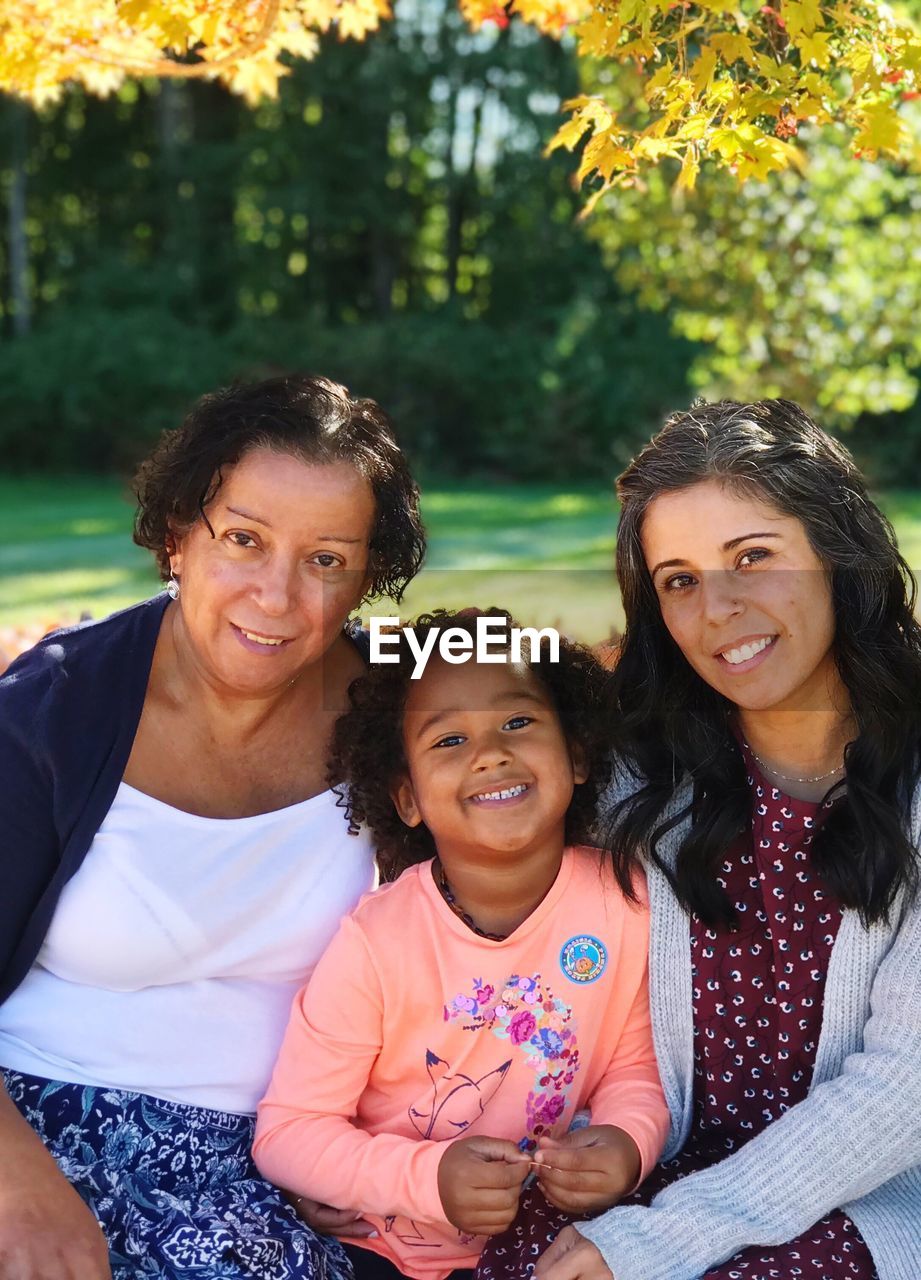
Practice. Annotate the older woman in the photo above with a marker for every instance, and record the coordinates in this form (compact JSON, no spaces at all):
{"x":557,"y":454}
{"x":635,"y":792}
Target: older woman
{"x":767,"y":710}
{"x":172,"y":860}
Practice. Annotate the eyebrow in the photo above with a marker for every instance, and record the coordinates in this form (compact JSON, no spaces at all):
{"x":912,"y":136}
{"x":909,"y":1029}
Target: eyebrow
{"x":322,"y":537}
{"x":447,"y":712}
{"x":248,"y":515}
{"x":727,"y":546}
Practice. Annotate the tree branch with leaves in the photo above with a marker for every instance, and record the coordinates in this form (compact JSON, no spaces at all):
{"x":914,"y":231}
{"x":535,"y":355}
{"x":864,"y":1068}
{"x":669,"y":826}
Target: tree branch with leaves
{"x":721,"y":82}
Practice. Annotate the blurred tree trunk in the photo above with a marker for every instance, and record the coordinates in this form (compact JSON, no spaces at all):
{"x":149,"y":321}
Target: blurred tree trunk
{"x":20,"y":290}
{"x":461,"y":194}
{"x":169,"y":108}
{"x":383,"y":269}
{"x":215,"y":115}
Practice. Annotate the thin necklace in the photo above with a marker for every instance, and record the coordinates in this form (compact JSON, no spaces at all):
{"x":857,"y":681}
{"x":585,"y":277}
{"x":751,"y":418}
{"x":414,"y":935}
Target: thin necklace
{"x":447,"y":893}
{"x":786,"y":777}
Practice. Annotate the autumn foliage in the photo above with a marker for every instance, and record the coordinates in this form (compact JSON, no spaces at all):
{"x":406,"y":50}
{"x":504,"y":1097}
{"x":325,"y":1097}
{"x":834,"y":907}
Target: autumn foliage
{"x":729,"y":82}
{"x":733,"y":83}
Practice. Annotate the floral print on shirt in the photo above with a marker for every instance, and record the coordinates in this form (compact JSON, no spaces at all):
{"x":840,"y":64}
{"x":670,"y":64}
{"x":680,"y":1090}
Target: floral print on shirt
{"x":526,"y":1013}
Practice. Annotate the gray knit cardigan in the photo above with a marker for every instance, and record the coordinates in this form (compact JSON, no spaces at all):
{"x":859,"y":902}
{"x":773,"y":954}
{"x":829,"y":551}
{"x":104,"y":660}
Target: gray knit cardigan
{"x":854,"y":1143}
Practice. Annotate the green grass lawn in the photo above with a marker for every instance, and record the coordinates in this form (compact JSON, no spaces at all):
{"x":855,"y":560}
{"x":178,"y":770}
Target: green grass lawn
{"x":546,"y":554}
{"x":543,"y":552}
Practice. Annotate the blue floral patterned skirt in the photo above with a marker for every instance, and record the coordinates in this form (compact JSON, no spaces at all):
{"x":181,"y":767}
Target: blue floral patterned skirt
{"x":172,"y":1186}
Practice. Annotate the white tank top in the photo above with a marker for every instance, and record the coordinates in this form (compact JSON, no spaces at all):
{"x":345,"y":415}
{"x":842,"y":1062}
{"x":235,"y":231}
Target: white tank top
{"x":176,"y":948}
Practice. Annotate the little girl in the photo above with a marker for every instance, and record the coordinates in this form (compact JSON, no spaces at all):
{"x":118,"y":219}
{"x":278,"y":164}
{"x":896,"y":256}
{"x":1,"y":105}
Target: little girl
{"x":466,"y":1011}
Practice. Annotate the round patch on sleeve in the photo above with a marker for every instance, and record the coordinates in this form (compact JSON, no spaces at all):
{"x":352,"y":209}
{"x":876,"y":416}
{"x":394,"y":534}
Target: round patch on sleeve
{"x":583,"y":958}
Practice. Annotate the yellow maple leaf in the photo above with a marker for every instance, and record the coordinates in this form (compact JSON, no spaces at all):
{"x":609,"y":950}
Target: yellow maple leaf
{"x":551,"y":16}
{"x":814,"y":49}
{"x":643,"y":47}
{"x":293,"y":38}
{"x":809,"y":108}
{"x":208,"y":27}
{"x":695,"y":127}
{"x":649,"y":148}
{"x":910,"y":56}
{"x":752,"y":153}
{"x":603,"y":155}
{"x":801,"y":16}
{"x":256,"y":77}
{"x":881,"y":130}
{"x":135,"y":12}
{"x":733,"y":47}
{"x":168,"y":25}
{"x":659,"y":81}
{"x":358,"y":17}
{"x":318,"y":14}
{"x":782,"y":73}
{"x":569,"y":135}
{"x":703,"y":69}
{"x":727,"y":142}
{"x":598,"y":34}
{"x":690,"y":167}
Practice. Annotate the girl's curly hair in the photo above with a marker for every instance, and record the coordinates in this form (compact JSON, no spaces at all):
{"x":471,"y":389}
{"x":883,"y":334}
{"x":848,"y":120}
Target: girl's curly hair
{"x":367,"y":750}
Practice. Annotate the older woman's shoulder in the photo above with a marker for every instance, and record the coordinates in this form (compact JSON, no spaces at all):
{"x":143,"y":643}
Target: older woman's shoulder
{"x":73,"y":673}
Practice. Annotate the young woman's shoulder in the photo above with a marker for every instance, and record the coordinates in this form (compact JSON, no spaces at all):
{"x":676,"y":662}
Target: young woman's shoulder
{"x":624,"y":783}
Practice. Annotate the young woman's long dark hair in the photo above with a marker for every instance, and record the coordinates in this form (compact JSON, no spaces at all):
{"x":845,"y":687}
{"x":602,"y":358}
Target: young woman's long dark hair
{"x":669,"y":723}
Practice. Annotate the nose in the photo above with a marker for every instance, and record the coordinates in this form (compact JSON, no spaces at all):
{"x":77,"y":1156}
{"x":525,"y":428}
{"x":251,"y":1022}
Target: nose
{"x":721,"y":596}
{"x":491,"y":750}
{"x":277,"y":587}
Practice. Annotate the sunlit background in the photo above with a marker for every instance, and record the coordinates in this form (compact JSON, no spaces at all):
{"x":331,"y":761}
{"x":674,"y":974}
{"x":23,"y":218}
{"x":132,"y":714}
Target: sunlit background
{"x":390,"y":220}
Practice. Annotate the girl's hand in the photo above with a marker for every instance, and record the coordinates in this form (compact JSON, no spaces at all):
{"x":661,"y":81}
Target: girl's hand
{"x":479,"y":1181}
{"x":327,"y":1221}
{"x":587,"y":1170}
{"x":572,"y":1257}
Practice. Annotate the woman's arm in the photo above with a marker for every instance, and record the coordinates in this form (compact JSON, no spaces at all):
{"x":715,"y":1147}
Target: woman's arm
{"x":306,"y":1138}
{"x":851,"y":1134}
{"x":46,"y":1231}
{"x":30,"y":848}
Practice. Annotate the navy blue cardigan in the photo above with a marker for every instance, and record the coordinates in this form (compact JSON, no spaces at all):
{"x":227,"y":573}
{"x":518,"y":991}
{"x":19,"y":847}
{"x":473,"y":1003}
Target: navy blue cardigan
{"x":69,"y":710}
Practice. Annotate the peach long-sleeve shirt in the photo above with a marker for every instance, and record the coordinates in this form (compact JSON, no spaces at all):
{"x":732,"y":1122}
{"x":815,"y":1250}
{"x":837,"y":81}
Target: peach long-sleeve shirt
{"x":414,"y":1031}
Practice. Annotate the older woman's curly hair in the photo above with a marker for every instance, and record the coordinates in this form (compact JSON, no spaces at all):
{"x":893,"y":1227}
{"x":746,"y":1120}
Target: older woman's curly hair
{"x":307,"y":416}
{"x":367,"y":751}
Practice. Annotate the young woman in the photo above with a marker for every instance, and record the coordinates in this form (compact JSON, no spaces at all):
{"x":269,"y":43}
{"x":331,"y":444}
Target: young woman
{"x":768,"y":719}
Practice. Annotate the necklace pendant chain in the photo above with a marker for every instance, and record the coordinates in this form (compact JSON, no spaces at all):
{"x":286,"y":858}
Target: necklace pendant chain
{"x":786,"y":777}
{"x":447,"y":893}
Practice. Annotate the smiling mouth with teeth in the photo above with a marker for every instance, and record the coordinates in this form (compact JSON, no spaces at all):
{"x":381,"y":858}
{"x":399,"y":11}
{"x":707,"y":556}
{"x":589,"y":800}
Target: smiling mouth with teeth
{"x":508,"y":793}
{"x":251,"y":635}
{"x":747,"y":651}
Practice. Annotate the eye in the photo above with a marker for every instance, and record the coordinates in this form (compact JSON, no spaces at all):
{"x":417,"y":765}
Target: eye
{"x":449,"y":740}
{"x":678,"y":582}
{"x":754,"y":555}
{"x":241,"y":539}
{"x":326,"y":560}
{"x":518,"y":722}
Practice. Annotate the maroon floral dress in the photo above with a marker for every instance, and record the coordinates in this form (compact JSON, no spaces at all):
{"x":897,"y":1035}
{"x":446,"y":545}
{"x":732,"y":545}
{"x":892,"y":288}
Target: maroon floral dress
{"x":757,"y":994}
